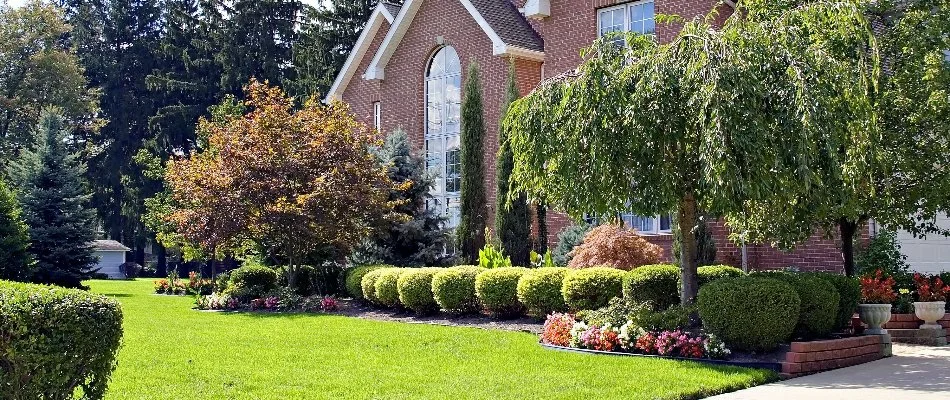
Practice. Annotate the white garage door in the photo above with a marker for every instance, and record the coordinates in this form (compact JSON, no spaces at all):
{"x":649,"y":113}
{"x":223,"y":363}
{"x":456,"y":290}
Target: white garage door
{"x":929,"y":255}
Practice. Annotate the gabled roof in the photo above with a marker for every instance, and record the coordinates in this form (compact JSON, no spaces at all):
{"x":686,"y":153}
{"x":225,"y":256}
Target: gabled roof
{"x":109,"y":245}
{"x":508,"y":30}
{"x":384,"y":12}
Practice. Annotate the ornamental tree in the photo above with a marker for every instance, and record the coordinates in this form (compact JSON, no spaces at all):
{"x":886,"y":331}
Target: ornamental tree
{"x":512,"y":219}
{"x":470,"y":233}
{"x":710,"y":121}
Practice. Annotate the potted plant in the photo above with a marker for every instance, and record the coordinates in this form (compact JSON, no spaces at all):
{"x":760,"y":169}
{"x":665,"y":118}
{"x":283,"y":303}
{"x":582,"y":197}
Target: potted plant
{"x":877,"y":294}
{"x":932,"y":296}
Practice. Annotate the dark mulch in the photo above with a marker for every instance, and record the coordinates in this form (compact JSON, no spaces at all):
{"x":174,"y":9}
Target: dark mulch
{"x":356,"y":309}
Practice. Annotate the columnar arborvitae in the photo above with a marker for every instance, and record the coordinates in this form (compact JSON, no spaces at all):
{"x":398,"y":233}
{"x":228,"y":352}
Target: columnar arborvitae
{"x":470,"y":233}
{"x":56,"y":207}
{"x":14,"y":240}
{"x":512,"y":219}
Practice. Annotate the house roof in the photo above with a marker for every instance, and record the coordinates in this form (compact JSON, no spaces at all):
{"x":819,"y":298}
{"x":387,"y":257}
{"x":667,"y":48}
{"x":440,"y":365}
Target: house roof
{"x":109,"y":245}
{"x":384,"y":12}
{"x":392,"y":8}
{"x":509,"y":24}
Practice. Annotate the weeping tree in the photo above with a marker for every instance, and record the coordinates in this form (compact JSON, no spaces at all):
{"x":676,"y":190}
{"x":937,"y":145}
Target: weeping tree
{"x":709,"y":121}
{"x":512,"y":218}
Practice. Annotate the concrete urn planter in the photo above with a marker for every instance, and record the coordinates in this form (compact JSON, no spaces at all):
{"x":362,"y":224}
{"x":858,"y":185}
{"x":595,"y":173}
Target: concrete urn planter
{"x":875,"y":316}
{"x":930,"y":312}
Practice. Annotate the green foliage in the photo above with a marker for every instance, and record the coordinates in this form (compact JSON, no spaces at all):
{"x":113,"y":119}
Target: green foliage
{"x":252,"y":282}
{"x":747,"y":313}
{"x":55,"y":204}
{"x":705,"y":245}
{"x":489,"y":257}
{"x":711,"y":273}
{"x":541,"y":217}
{"x":368,"y":284}
{"x":539,"y":261}
{"x":540,"y":290}
{"x":616,"y":313}
{"x":849,"y":295}
{"x":354,"y":278}
{"x":882,"y":252}
{"x":497,"y":291}
{"x":15,"y":263}
{"x":567,"y":240}
{"x":415,"y":290}
{"x":591,"y":288}
{"x":386,"y":287}
{"x":654,"y":284}
{"x":470,"y":231}
{"x":512,"y":217}
{"x":304,"y":280}
{"x":56,"y":343}
{"x":328,"y":32}
{"x":673,"y":318}
{"x":819,"y":302}
{"x":454,"y":289}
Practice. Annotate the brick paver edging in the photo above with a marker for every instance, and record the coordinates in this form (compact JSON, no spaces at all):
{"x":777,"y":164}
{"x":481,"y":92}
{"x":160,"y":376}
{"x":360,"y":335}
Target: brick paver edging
{"x":824,"y":355}
{"x":777,"y":367}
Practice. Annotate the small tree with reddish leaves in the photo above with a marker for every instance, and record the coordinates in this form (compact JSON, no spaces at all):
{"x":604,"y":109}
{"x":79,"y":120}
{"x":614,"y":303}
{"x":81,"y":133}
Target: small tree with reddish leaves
{"x":615,"y":246}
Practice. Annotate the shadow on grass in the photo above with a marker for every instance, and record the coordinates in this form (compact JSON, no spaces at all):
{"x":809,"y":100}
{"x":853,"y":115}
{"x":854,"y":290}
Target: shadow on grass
{"x":117,"y":295}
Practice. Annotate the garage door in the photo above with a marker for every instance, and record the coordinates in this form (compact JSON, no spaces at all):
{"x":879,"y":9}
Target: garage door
{"x":929,"y":255}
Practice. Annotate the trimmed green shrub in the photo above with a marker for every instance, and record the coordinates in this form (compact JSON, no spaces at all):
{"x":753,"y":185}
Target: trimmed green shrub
{"x":819,"y":302}
{"x":540,"y":291}
{"x":354,"y":279}
{"x":387,"y":291}
{"x":616,"y":313}
{"x":591,"y":288}
{"x":415,"y":289}
{"x":368,"y":284}
{"x":849,"y":295}
{"x":454,"y":289}
{"x":673,"y":318}
{"x":252,"y":282}
{"x":710,"y":273}
{"x":656,"y":284}
{"x":55,"y":343}
{"x":497,"y":291}
{"x":749,"y":313}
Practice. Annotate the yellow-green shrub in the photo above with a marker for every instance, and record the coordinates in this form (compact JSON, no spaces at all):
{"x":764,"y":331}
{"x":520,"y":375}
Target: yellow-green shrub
{"x":591,"y":288}
{"x":454,"y":289}
{"x":540,"y":290}
{"x":387,"y":291}
{"x":497,"y":291}
{"x":415,"y":289}
{"x":368,"y":284}
{"x":655,"y":284}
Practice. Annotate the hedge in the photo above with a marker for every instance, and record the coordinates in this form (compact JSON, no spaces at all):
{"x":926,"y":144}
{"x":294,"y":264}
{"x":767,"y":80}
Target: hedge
{"x":497,"y":291}
{"x":656,"y":284}
{"x":454,"y":289}
{"x":591,"y":288}
{"x":55,"y":342}
{"x":748,"y":313}
{"x":711,"y":273}
{"x":354,"y":279}
{"x":819,"y":302}
{"x":540,"y":291}
{"x":415,"y":290}
{"x":252,"y":282}
{"x":368,"y":284}
{"x":387,"y":292}
{"x":849,"y":295}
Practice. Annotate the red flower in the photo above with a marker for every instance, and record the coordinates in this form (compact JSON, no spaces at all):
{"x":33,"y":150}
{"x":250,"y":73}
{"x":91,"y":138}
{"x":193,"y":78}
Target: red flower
{"x":877,"y":289}
{"x":931,"y":290}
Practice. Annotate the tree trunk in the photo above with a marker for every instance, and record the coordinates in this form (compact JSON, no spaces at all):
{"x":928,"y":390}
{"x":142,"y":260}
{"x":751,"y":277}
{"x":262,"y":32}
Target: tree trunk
{"x":687,"y":219}
{"x":291,"y":272}
{"x":161,"y":267}
{"x":847,"y":229}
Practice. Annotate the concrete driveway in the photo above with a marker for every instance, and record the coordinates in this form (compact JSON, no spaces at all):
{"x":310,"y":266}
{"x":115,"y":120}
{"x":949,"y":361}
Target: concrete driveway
{"x":914,"y":372}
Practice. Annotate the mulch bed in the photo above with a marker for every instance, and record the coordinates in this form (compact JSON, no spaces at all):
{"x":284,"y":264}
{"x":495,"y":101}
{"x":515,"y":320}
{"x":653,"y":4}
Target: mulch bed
{"x":352,"y":308}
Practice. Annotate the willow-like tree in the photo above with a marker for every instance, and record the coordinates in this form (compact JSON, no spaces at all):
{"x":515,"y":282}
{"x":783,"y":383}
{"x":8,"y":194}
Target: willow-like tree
{"x":709,"y":121}
{"x":512,"y":218}
{"x":470,"y":233}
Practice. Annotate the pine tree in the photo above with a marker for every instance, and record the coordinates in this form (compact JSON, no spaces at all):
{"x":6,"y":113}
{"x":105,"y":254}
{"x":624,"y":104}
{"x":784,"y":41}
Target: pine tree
{"x":15,"y":261}
{"x":420,"y":239}
{"x":470,"y":233}
{"x":512,"y":219}
{"x":56,"y":206}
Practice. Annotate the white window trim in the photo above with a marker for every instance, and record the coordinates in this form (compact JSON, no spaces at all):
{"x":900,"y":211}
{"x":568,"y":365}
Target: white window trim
{"x":626,"y":13}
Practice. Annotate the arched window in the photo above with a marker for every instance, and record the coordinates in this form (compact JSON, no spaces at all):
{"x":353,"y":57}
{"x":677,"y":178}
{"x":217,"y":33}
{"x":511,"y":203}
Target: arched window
{"x":443,"y":108}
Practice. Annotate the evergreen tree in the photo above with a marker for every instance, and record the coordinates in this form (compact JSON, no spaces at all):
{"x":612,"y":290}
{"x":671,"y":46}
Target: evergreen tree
{"x":419,"y":239}
{"x":14,"y":240}
{"x":470,"y":233}
{"x":55,"y":206}
{"x":512,"y":218}
{"x":542,"y":216}
{"x":705,"y":245}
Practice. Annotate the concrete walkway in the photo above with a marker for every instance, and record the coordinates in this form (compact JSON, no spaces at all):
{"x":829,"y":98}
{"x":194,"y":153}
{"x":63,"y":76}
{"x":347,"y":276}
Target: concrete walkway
{"x":914,"y":372}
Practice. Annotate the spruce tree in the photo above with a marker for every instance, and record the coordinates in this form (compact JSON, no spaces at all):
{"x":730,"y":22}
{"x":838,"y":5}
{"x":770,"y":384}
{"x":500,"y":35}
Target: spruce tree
{"x":14,"y":241}
{"x":56,"y":206}
{"x":512,"y":219}
{"x":470,"y":233}
{"x":419,"y":239}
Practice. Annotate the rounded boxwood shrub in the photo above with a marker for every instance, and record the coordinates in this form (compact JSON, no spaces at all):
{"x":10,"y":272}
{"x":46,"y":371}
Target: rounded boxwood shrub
{"x":415,"y":289}
{"x":454,"y":289}
{"x":540,"y":290}
{"x":353,"y":282}
{"x":252,"y":282}
{"x":591,"y":288}
{"x":819,"y":302}
{"x":387,"y":292}
{"x":655,"y":284}
{"x":497,"y":291}
{"x":711,"y":273}
{"x":368,"y":284}
{"x":749,"y":313}
{"x":56,"y":342}
{"x":849,"y":295}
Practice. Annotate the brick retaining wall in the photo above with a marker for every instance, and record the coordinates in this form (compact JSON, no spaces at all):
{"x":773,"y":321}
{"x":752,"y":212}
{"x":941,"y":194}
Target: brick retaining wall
{"x":910,"y":321}
{"x":812,"y":357}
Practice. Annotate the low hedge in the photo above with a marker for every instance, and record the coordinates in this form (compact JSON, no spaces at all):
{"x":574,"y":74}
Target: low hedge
{"x":368,"y":284}
{"x":386,"y":285}
{"x":415,"y":290}
{"x":540,"y":290}
{"x":454,"y":289}
{"x":849,"y":295}
{"x":56,"y":343}
{"x":819,"y":302}
{"x":655,"y":284}
{"x":497,"y":291}
{"x":591,"y":288}
{"x":749,"y":313}
{"x":711,"y":273}
{"x":353,"y":282}
{"x":252,"y":282}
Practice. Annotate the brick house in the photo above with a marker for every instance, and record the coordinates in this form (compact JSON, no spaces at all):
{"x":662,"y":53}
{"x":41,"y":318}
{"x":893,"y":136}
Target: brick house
{"x":407,"y":68}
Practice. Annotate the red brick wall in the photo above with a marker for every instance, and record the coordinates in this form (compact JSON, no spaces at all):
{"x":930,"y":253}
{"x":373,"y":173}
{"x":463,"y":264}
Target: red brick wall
{"x":360,"y":94}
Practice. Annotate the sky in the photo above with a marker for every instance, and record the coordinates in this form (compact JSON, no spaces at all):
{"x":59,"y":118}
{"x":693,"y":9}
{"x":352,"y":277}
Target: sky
{"x":17,"y":3}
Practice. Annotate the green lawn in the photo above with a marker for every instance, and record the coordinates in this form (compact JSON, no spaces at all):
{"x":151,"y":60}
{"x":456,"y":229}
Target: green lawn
{"x":173,"y":352}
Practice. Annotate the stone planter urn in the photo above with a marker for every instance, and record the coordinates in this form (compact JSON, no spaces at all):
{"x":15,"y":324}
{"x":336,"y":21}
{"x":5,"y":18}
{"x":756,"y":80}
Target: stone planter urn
{"x":875,"y":316}
{"x":930,"y":312}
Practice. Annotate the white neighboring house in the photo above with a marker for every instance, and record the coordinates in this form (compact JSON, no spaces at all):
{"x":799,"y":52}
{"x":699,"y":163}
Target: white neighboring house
{"x":930,"y":255}
{"x":111,"y":255}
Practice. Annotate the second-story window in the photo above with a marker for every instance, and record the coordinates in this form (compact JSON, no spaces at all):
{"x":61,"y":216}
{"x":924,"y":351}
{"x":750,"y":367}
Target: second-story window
{"x":636,"y":17}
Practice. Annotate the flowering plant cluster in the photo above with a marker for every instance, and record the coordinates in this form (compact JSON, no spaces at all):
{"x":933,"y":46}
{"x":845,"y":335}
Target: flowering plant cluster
{"x":329,"y":304}
{"x":877,"y":289}
{"x":199,"y":286}
{"x":267,"y":303}
{"x":563,"y":330}
{"x":172,"y":287}
{"x":931,"y":289}
{"x":216,"y":302}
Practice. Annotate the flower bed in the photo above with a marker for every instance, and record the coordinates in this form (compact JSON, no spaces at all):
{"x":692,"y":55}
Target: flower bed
{"x":278,"y":301}
{"x":195,"y":285}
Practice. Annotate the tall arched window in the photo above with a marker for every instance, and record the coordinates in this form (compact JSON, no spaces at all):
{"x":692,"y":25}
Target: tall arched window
{"x":443,"y":108}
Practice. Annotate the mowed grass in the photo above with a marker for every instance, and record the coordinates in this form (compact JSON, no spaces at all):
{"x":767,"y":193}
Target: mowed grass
{"x":171,"y":351}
